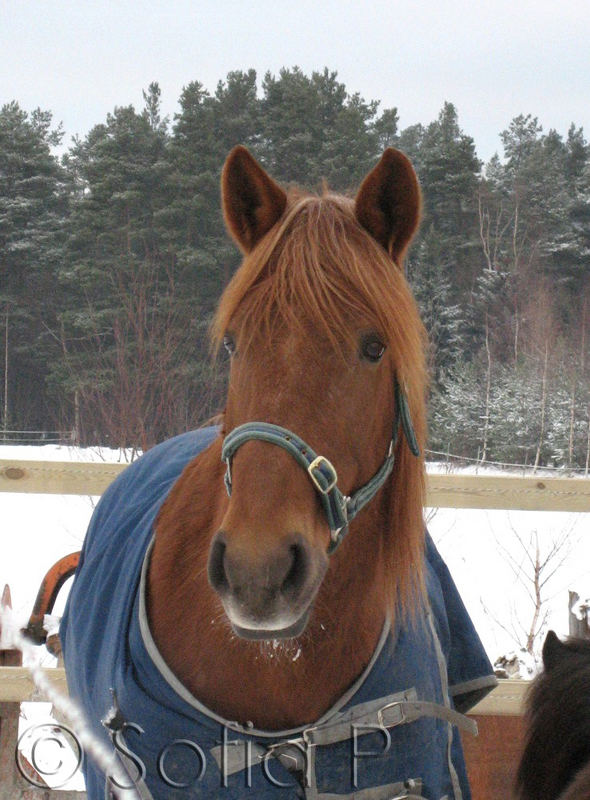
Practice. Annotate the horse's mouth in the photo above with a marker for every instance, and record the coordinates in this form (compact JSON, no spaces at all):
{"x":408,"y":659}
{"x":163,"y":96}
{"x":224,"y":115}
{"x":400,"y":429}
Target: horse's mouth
{"x":289,"y":632}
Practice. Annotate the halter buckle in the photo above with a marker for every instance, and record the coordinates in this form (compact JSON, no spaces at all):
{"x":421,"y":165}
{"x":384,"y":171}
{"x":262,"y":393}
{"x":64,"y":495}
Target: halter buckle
{"x":316,"y":464}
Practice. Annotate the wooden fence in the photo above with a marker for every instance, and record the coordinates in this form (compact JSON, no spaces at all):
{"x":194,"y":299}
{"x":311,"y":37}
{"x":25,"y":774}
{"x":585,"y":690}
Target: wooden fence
{"x":443,"y":491}
{"x":492,"y":756}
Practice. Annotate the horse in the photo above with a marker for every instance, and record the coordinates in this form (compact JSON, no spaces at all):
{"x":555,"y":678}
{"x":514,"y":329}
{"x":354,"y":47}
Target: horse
{"x":555,"y":764}
{"x":270,"y":579}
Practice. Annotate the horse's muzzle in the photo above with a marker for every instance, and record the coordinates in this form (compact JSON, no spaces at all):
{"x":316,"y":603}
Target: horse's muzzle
{"x":268,"y":596}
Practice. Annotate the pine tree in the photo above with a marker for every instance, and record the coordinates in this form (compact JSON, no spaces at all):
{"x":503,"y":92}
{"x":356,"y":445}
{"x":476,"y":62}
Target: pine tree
{"x":129,"y":330}
{"x":449,"y":171}
{"x":312,"y":130}
{"x":441,"y":263}
{"x":33,"y":207}
{"x":457,"y":411}
{"x":429,"y":270}
{"x":569,"y":246}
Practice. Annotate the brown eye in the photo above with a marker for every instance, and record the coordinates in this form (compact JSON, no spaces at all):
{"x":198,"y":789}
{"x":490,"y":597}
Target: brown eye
{"x":229,"y":344}
{"x":372,"y":349}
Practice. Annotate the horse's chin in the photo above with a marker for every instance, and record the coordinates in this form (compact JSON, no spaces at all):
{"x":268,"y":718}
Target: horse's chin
{"x":259,"y":633}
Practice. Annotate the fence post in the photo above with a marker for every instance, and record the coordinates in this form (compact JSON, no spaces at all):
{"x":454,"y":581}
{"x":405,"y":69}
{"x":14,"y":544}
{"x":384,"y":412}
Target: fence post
{"x":11,"y":783}
{"x":578,"y":627}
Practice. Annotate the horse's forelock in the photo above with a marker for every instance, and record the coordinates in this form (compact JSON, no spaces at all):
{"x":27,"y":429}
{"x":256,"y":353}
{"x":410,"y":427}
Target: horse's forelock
{"x":319,"y":268}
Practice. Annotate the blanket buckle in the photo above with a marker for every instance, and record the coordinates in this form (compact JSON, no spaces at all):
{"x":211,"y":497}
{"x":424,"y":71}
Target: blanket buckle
{"x":398,"y":704}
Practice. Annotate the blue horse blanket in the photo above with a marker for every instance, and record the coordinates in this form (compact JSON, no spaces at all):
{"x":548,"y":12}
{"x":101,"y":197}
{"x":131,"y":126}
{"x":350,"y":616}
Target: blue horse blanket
{"x":392,"y":735}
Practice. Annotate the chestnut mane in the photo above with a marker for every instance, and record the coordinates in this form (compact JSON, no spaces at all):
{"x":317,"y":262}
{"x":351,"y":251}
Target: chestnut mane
{"x":318,"y":269}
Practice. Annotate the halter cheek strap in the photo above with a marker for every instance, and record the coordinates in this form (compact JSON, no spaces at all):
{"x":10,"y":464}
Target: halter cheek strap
{"x":339,"y":508}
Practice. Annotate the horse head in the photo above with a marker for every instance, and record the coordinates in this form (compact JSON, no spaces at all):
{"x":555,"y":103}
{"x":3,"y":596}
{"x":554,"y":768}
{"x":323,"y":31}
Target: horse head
{"x":326,"y":366}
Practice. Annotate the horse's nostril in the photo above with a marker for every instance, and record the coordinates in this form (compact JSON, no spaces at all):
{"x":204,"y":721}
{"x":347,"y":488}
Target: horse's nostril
{"x":296,"y":576}
{"x":216,"y":566}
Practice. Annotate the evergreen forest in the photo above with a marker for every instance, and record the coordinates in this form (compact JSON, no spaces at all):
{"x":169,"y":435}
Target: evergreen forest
{"x":113,"y":255}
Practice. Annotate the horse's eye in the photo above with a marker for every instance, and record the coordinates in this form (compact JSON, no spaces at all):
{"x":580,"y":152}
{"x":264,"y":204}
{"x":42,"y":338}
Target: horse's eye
{"x":229,"y":344}
{"x":372,"y":349}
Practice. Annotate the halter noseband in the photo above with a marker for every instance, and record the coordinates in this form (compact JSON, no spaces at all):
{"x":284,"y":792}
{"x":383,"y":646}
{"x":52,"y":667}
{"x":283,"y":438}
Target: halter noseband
{"x":338,"y":507}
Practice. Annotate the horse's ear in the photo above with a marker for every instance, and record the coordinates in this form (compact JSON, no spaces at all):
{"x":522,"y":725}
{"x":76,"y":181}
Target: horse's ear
{"x":388,"y":203}
{"x":252,"y":201}
{"x":553,"y":651}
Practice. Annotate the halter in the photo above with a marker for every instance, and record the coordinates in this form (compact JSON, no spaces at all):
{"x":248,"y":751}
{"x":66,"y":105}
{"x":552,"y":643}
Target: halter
{"x":339,"y":508}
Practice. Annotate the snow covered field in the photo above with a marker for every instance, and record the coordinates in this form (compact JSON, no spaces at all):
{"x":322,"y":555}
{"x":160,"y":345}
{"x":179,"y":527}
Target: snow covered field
{"x":38,"y":529}
{"x":482,"y":549}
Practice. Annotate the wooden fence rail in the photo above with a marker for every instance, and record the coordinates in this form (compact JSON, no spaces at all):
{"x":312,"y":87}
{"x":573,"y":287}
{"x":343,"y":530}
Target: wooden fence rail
{"x":16,"y":686}
{"x":443,"y":491}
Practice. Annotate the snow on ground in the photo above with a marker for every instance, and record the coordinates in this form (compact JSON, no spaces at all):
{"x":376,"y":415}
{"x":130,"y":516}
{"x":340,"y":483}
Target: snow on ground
{"x":59,"y":452}
{"x":38,"y":529}
{"x":482,"y":549}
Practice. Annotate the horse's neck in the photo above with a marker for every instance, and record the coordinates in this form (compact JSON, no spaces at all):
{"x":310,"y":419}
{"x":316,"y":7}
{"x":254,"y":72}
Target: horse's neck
{"x":272,"y":684}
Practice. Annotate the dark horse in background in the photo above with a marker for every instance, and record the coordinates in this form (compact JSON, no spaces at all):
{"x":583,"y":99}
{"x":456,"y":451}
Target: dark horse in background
{"x":556,"y":761}
{"x":269,"y":582}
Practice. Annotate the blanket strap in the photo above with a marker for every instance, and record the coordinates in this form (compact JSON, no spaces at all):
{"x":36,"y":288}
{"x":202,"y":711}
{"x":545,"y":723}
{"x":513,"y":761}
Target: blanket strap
{"x":366,"y":718}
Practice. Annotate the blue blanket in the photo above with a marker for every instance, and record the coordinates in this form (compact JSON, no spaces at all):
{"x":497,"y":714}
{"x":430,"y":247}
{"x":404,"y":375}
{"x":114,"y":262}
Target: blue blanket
{"x":393,"y":734}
